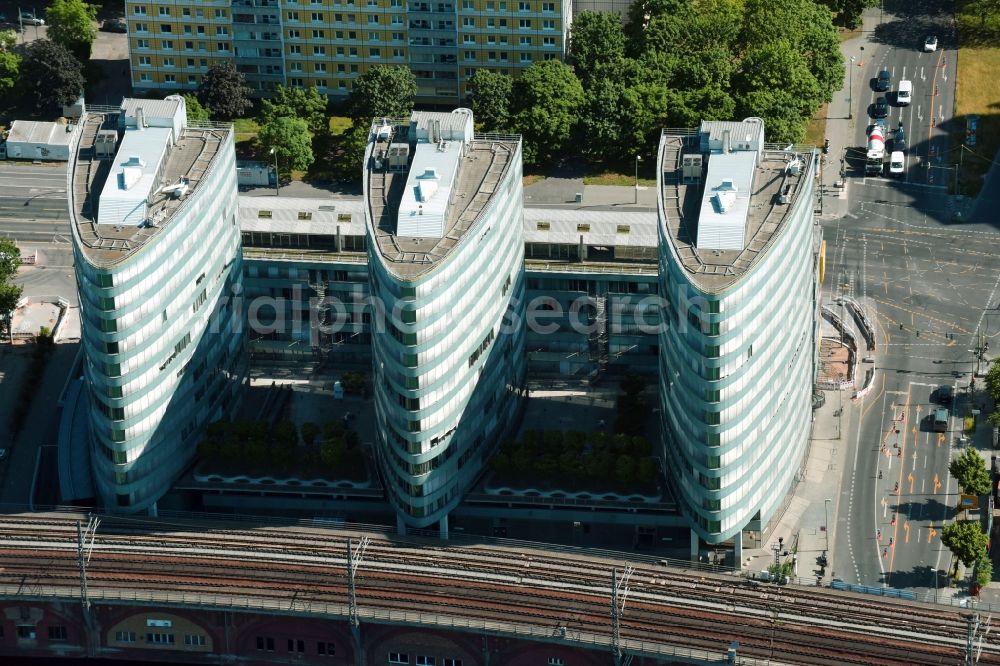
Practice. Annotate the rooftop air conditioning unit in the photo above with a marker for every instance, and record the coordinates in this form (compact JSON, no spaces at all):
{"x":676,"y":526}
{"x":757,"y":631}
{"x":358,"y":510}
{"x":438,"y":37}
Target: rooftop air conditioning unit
{"x":691,"y":166}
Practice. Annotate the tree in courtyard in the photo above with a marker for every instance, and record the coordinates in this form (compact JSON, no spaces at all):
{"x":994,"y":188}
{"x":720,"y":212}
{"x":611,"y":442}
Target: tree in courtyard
{"x":297,"y":102}
{"x":596,"y":41}
{"x":350,"y":154}
{"x":547,"y":99}
{"x":195,"y":111}
{"x":51,"y":77}
{"x":489,"y":94}
{"x":290,"y":139}
{"x":983,"y":574}
{"x":969,"y":469}
{"x":10,"y":66}
{"x":385,"y":91}
{"x":965,"y":540}
{"x":71,"y":23}
{"x":224,"y":90}
{"x":10,"y":293}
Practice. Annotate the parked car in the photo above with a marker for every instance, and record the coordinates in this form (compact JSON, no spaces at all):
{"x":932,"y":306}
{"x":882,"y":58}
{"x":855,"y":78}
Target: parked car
{"x":31,"y":19}
{"x":883,"y":82}
{"x":930,"y":44}
{"x":115,"y":25}
{"x":880,"y":109}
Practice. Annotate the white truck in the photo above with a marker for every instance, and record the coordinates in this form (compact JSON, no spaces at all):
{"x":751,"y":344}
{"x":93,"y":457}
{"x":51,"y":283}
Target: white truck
{"x":897,"y":163}
{"x":876,"y":150}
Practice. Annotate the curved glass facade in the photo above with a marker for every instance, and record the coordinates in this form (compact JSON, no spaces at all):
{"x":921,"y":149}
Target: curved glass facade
{"x":163,"y":334}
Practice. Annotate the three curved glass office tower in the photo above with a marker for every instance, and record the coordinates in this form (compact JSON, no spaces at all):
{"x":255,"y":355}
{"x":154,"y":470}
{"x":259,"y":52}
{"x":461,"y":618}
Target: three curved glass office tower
{"x":443,"y":211}
{"x":158,"y":258}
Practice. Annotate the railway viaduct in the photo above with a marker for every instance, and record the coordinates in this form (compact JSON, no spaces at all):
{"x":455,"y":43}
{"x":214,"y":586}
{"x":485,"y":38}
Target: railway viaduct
{"x":203,"y":592}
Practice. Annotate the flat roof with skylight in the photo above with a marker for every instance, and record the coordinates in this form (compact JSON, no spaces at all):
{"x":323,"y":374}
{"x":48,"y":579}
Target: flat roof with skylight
{"x":132,"y":169}
{"x":427,"y":179}
{"x":725,"y":195}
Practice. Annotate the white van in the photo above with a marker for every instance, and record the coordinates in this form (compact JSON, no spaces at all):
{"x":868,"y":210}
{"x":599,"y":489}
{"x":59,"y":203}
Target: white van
{"x":904,"y":93}
{"x":897,"y":163}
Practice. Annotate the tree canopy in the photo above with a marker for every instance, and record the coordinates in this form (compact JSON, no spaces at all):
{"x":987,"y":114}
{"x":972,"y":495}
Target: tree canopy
{"x":195,"y":111}
{"x":291,"y":139}
{"x":597,"y":41}
{"x":383,"y":91}
{"x":969,"y":469}
{"x":224,"y":90}
{"x":296,"y":102}
{"x":965,"y":540}
{"x":546,"y":103}
{"x":10,"y":293}
{"x":490,"y":94}
{"x":71,"y":23}
{"x":51,"y":77}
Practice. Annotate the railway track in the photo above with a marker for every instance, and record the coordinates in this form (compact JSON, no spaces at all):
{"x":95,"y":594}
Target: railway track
{"x":682,"y":608}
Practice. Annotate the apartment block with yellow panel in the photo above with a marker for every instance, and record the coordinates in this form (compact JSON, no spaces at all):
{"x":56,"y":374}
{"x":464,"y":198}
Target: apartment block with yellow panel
{"x":172,"y":44}
{"x":329,"y":43}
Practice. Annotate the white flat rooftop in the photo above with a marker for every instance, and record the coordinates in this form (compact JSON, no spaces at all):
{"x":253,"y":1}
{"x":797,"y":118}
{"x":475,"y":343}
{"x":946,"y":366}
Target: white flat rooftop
{"x":133,"y":178}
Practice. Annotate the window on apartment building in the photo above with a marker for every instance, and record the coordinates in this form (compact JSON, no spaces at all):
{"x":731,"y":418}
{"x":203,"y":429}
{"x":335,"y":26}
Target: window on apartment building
{"x":296,"y":645}
{"x":220,"y":13}
{"x":145,"y":61}
{"x":398,"y":658}
{"x":57,"y":633}
{"x":548,"y":24}
{"x":164,"y":11}
{"x":373,"y":19}
{"x":142,"y":27}
{"x":451,"y":662}
{"x":374,"y":53}
{"x":142,"y":43}
{"x":189,"y":46}
{"x":296,"y":82}
{"x":145,"y":78}
{"x":166,"y":27}
{"x":316,"y":17}
{"x":319,"y":34}
{"x":524,"y":6}
{"x":398,"y":53}
{"x":195,"y":640}
{"x":185,"y":11}
{"x":222,"y":46}
{"x":555,"y":661}
{"x":548,"y":41}
{"x":548,"y":56}
{"x":319,"y":67}
{"x":168,"y":62}
{"x":265,"y":643}
{"x":423,"y":660}
{"x":294,"y":34}
{"x":524,"y":24}
{"x":139,"y":10}
{"x":221,"y":31}
{"x":125,"y":636}
{"x":167,"y":44}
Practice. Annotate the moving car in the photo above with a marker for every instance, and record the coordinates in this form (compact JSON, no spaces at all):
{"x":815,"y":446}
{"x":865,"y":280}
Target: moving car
{"x":930,"y":44}
{"x":880,"y":109}
{"x":883,"y":82}
{"x":897,"y":163}
{"x":899,"y":138}
{"x":943,"y":394}
{"x":941,"y":420}
{"x":31,"y":19}
{"x":904,"y":93}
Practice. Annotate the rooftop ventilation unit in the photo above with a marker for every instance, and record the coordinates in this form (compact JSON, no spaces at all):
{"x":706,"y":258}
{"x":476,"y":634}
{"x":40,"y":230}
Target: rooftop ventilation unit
{"x":399,"y":156}
{"x":691,"y":167}
{"x":794,"y":166}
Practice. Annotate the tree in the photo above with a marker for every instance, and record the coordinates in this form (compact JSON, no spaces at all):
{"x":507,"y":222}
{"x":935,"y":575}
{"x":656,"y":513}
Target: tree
{"x":965,"y":540}
{"x":993,"y":380}
{"x":10,"y":293}
{"x":290,"y":139}
{"x":71,"y":23}
{"x":51,"y":77}
{"x":195,"y":111}
{"x":348,"y":163}
{"x":983,"y":575}
{"x":10,"y":65}
{"x":546,"y":103}
{"x":383,"y":91}
{"x":296,"y":102}
{"x":969,"y":469}
{"x":597,"y":40}
{"x":490,"y":94}
{"x":224,"y":90}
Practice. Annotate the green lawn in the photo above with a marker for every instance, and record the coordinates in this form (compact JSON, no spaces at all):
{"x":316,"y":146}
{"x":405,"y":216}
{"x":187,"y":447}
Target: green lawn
{"x":977,"y":92}
{"x":339,"y":124}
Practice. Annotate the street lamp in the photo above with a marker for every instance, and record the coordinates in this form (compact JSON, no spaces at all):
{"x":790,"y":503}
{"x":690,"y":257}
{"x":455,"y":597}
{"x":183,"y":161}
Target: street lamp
{"x":637,"y":160}
{"x":850,"y":90}
{"x":826,"y":521}
{"x":277,"y":178}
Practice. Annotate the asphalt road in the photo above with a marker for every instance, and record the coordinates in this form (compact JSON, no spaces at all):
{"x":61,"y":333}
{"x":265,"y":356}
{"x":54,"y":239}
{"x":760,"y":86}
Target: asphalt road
{"x":32,"y":193}
{"x":927,"y":284}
